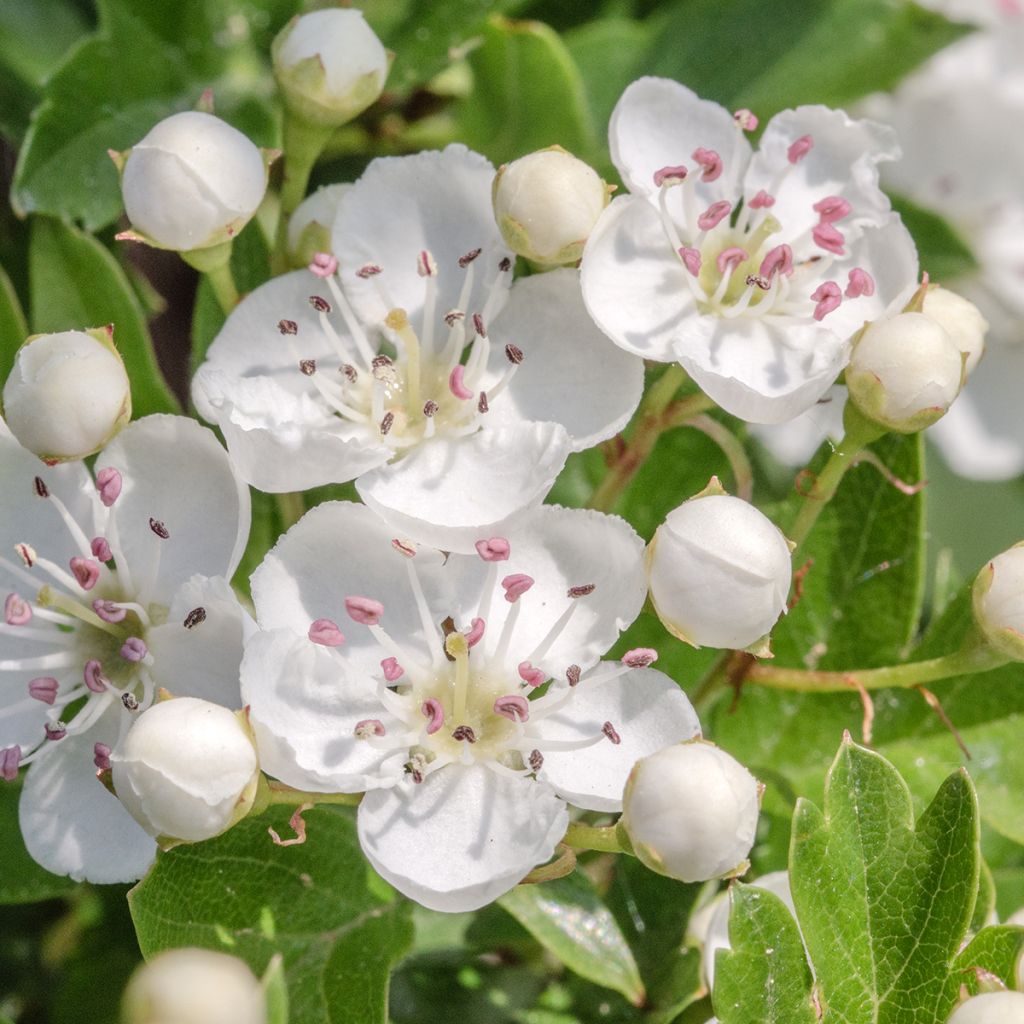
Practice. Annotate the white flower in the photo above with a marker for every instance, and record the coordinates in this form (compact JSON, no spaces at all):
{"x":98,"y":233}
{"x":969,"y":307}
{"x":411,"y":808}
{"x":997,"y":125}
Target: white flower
{"x":192,"y":182}
{"x":990,"y":1008}
{"x":194,"y":986}
{"x":186,"y":770}
{"x":452,"y":400}
{"x":115,"y":586}
{"x":999,"y":602}
{"x":961,"y":320}
{"x":751,"y":270}
{"x":68,"y":394}
{"x":408,"y":674}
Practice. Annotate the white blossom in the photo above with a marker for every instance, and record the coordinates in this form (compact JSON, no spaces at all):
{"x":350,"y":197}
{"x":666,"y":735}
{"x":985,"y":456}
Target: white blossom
{"x":990,"y":1008}
{"x":999,"y":602}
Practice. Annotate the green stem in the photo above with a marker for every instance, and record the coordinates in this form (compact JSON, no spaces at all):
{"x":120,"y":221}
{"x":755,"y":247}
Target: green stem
{"x":564,"y":864}
{"x":223,"y":283}
{"x":291,"y":507}
{"x":605,"y":838}
{"x":739,"y":463}
{"x":278,"y":793}
{"x":215,"y":263}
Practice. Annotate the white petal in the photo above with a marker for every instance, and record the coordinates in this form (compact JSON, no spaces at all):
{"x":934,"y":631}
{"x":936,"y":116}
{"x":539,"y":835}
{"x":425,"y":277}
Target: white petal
{"x":462,"y":837}
{"x":303,"y":707}
{"x":201,"y":660}
{"x":633,"y":283}
{"x":571,"y":374}
{"x":659,"y":123}
{"x":794,"y":442}
{"x":450,"y":493}
{"x":647,"y":709}
{"x":71,"y":824}
{"x":434,"y":201}
{"x":176,"y":472}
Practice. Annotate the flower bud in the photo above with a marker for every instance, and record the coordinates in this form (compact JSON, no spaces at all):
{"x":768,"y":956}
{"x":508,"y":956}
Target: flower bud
{"x":990,"y":1008}
{"x":192,"y":182}
{"x":904,"y":372}
{"x":193,"y":986}
{"x":719,"y":572}
{"x":691,"y":812}
{"x":309,"y":227}
{"x":546,"y":204}
{"x":330,"y":66}
{"x":962,"y":321}
{"x":187,"y":769}
{"x":999,"y":602}
{"x":68,"y":394}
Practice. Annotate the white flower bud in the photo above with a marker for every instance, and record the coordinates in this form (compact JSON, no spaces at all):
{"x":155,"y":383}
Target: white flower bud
{"x":546,"y":204}
{"x":68,"y":394}
{"x":310,"y":226}
{"x":719,"y":572}
{"x":904,"y":372}
{"x":192,"y":182}
{"x":691,"y":812}
{"x":962,"y":321}
{"x":187,"y":769}
{"x":999,"y":602}
{"x":193,"y":986}
{"x":330,"y":66}
{"x":991,"y":1008}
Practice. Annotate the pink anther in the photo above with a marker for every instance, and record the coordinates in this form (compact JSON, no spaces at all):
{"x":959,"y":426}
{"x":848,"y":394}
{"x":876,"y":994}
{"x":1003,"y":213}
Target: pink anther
{"x":404,"y":547}
{"x":691,"y":259}
{"x":729,"y":259}
{"x":86,"y":572}
{"x":828,"y":297}
{"x":17,"y":611}
{"x":100,"y":548}
{"x":746,"y":119}
{"x":516,"y":585}
{"x":369,"y":727}
{"x":762,"y":200}
{"x":670,"y":176}
{"x":777,"y":261}
{"x":495,"y":549}
{"x":364,"y":610}
{"x":392,"y":670}
{"x":326,"y":633}
{"x":714,"y":215}
{"x":108,"y":483}
{"x":799,"y":149}
{"x":323,"y":264}
{"x":109,"y":611}
{"x":426,"y":265}
{"x":92,"y":674}
{"x":456,"y":384}
{"x":860,"y":283}
{"x":369,"y":270}
{"x":134,"y":649}
{"x":829,"y":238}
{"x":609,"y":730}
{"x":513,"y":707}
{"x":101,"y":756}
{"x":530,"y":675}
{"x":433,"y":711}
{"x":475,"y":632}
{"x":10,"y":758}
{"x":640,"y":657}
{"x":832,"y":208}
{"x":710,"y":161}
{"x":44,"y":688}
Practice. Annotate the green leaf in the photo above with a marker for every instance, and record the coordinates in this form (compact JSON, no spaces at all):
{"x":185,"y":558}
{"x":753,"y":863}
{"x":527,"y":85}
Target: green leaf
{"x":568,"y":918}
{"x":527,"y":93}
{"x":884,"y":905}
{"x":22,"y":880}
{"x":942,"y":252}
{"x":317,"y":904}
{"x":996,"y":950}
{"x":75,"y":283}
{"x":764,"y":978}
{"x":13,"y":328}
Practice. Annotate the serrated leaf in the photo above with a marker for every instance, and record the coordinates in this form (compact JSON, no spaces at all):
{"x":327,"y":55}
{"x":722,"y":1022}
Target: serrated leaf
{"x":764,"y":978}
{"x":567,"y":917}
{"x":75,"y":283}
{"x":883,"y":904}
{"x":996,"y":950}
{"x":317,"y":904}
{"x":22,"y":880}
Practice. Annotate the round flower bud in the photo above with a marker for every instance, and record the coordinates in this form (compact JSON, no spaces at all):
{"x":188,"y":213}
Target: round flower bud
{"x":309,"y":227}
{"x":719,"y":572}
{"x":904,"y":372}
{"x":999,"y":602}
{"x":68,"y":394}
{"x":187,"y":769}
{"x":193,"y":986}
{"x":962,"y":321}
{"x":691,"y":811}
{"x":546,"y":205}
{"x":192,"y":182}
{"x":990,"y":1008}
{"x":330,"y":66}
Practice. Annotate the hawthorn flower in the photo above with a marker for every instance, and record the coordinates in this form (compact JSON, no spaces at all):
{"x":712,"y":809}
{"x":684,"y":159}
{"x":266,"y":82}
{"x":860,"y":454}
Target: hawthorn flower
{"x":414,"y":675}
{"x":751,"y":270}
{"x":113,"y":587}
{"x":411,"y":363}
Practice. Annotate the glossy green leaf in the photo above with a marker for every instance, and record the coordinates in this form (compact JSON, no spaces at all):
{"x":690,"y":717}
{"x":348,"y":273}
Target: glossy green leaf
{"x":568,"y":918}
{"x":995,"y":950}
{"x":317,"y":904}
{"x":13,"y":328}
{"x":764,"y":978}
{"x":75,"y":282}
{"x":22,"y":880}
{"x":884,"y":904}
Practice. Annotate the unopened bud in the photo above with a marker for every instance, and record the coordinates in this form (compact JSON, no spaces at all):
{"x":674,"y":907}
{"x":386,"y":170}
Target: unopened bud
{"x":330,"y":66}
{"x":990,"y":1008}
{"x":193,"y":986}
{"x":192,"y":182}
{"x":719,"y":572}
{"x":546,"y":205}
{"x":999,"y":602}
{"x":962,"y":321}
{"x":68,"y":394}
{"x":904,"y":372}
{"x":309,"y":228}
{"x":187,"y":769}
{"x":691,"y":812}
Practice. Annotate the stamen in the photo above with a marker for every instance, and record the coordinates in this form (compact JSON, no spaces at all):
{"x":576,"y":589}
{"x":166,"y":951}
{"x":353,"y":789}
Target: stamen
{"x":10,"y":758}
{"x":513,"y":706}
{"x":514,"y":354}
{"x":799,"y":149}
{"x":159,"y":529}
{"x":476,"y":632}
{"x":464,"y":733}
{"x":307,"y":366}
{"x":746,"y":119}
{"x":109,"y":611}
{"x":609,"y":730}
{"x":350,"y":372}
{"x":86,"y":572}
{"x":44,"y":688}
{"x":369,"y":727}
{"x":434,"y":712}
{"x":777,"y":261}
{"x":691,"y":258}
{"x":426,"y":620}
{"x":386,"y":423}
{"x":430,"y":408}
{"x":130,"y":701}
{"x":101,"y":756}
{"x":49,"y":598}
{"x":369,"y":270}
{"x":364,"y":610}
{"x":714,"y":215}
{"x":392,"y":670}
{"x":100,"y":547}
{"x":93,"y":676}
{"x":17,"y":611}
{"x":41,"y":489}
{"x":860,"y":283}
{"x":326,"y":633}
{"x":829,"y":238}
{"x":535,"y":760}
{"x":729,"y":259}
{"x":55,"y":730}
{"x":832,"y":208}
{"x":670,"y":176}
{"x":287,"y":326}
{"x":195,"y":618}
{"x":640,"y":657}
{"x":464,"y":261}
{"x":762,"y":200}
{"x":828,"y":298}
{"x":323,"y":264}
{"x":530,"y":675}
{"x":710,"y":161}
{"x":27,"y":553}
{"x":496,"y":549}
{"x":455,"y":382}
{"x":516,"y":585}
{"x":505,"y":265}
{"x":482,"y":404}
{"x":581,"y":591}
{"x":319,"y":303}
{"x":572,"y":674}
{"x":108,"y":483}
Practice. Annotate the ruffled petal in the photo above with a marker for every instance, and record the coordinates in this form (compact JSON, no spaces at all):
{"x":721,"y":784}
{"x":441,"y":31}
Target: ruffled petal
{"x":794,"y":442}
{"x":450,"y":493}
{"x":462,"y":837}
{"x":571,"y":374}
{"x":648,"y":711}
